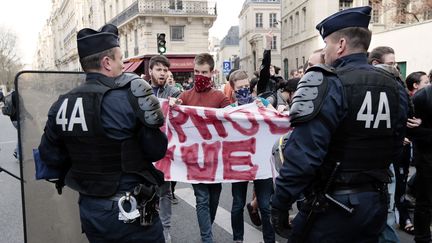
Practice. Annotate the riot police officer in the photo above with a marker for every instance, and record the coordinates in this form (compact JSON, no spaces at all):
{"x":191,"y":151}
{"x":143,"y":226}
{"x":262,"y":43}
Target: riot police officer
{"x":105,"y":134}
{"x":349,"y":120}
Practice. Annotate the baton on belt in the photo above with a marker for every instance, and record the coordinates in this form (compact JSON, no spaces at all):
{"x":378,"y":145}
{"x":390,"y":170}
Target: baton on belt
{"x":317,"y":202}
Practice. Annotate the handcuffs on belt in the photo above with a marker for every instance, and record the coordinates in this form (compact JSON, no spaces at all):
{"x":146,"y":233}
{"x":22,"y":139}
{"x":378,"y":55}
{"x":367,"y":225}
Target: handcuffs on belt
{"x":146,"y":210}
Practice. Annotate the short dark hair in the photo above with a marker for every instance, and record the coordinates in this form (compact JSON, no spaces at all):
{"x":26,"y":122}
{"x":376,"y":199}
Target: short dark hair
{"x":205,"y":58}
{"x":378,"y":53}
{"x":159,"y":59}
{"x":229,"y":74}
{"x":290,"y":85}
{"x":276,"y":69}
{"x":413,"y":78}
{"x":358,"y":37}
{"x":93,"y":62}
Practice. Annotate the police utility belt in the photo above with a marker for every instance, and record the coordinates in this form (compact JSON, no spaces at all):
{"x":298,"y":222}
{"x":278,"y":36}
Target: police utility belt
{"x":143,"y":202}
{"x":322,"y":200}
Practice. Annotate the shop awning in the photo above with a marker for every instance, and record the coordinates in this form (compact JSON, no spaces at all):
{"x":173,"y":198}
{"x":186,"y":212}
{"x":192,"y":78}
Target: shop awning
{"x":131,"y":66}
{"x":182,"y":64}
{"x":126,"y":66}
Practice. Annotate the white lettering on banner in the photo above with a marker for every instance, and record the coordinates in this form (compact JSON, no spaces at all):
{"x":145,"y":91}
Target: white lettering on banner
{"x":369,"y":117}
{"x":208,"y":145}
{"x":77,"y":116}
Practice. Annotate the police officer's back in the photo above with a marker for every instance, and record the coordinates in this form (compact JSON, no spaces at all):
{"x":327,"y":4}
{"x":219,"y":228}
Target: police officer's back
{"x":349,"y":120}
{"x":105,"y":134}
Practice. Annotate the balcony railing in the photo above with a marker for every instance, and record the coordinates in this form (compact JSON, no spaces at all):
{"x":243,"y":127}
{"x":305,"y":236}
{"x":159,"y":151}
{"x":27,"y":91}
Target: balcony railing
{"x":125,"y":15}
{"x":165,"y":8}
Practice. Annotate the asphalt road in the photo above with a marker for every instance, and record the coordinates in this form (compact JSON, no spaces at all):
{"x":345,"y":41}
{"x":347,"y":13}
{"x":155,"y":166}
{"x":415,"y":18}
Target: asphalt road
{"x":184,"y":223}
{"x":11,"y":227}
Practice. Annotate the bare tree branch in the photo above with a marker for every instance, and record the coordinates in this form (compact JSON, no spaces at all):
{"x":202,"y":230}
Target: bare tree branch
{"x":10,"y":62}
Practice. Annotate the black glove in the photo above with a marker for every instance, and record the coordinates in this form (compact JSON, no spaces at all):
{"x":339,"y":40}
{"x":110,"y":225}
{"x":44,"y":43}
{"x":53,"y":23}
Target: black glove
{"x":280,"y":222}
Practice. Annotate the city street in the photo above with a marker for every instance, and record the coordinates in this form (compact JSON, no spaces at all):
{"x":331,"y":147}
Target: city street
{"x":184,"y":224}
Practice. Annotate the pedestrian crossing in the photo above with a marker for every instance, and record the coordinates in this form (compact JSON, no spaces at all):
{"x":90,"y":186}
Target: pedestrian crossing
{"x":223,"y":217}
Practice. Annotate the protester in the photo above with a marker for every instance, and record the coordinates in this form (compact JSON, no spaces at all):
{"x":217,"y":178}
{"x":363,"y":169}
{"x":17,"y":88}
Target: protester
{"x":268,"y":82}
{"x":294,"y":74}
{"x":285,"y":94}
{"x":263,"y":189}
{"x":171,"y":81}
{"x":107,"y":143}
{"x":189,"y":84}
{"x":300,"y":72}
{"x":422,"y":143}
{"x":338,"y":154}
{"x":203,"y":94}
{"x":10,"y":109}
{"x":227,"y":90}
{"x":416,"y":81}
{"x":384,"y":57}
{"x":158,"y":70}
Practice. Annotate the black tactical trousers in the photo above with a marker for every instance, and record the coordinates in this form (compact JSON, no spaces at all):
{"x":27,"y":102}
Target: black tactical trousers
{"x":336,"y":225}
{"x":423,"y":208}
{"x":99,"y":221}
{"x":401,"y":168}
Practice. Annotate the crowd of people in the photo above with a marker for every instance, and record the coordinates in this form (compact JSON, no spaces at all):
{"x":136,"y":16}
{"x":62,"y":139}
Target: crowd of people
{"x":353,"y":123}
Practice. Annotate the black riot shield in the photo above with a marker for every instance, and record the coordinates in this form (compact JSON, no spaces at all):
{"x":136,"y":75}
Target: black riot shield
{"x":47,"y":216}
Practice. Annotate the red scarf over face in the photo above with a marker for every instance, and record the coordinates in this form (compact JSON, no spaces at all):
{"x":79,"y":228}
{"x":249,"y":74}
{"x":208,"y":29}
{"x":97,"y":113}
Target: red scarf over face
{"x":202,"y":83}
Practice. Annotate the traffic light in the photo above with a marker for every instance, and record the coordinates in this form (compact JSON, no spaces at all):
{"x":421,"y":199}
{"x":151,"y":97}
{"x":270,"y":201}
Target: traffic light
{"x":161,"y":43}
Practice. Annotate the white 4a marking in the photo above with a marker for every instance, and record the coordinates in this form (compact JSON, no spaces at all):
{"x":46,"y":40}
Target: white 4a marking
{"x":77,"y":116}
{"x":365,"y":112}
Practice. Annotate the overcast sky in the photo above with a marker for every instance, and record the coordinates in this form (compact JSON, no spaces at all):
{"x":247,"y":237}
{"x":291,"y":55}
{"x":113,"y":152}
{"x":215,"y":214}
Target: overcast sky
{"x":27,"y":17}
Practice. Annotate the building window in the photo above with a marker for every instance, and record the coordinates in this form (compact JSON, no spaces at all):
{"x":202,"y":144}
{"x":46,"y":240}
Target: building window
{"x":296,"y":23}
{"x":376,"y":10}
{"x":117,"y":7}
{"x":304,"y":19}
{"x":259,"y":20}
{"x":273,"y":20}
{"x":344,"y":4}
{"x":254,"y":60}
{"x":291,"y":26}
{"x":176,"y":4}
{"x":136,"y":49}
{"x":126,"y":46}
{"x":303,"y":60}
{"x":274,"y":43}
{"x":177,"y":33}
{"x":286,"y":70}
{"x":427,"y":15}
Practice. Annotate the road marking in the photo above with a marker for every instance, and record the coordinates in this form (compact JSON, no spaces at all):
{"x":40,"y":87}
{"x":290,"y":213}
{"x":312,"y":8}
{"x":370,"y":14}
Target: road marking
{"x":8,"y":142}
{"x":223,"y":217}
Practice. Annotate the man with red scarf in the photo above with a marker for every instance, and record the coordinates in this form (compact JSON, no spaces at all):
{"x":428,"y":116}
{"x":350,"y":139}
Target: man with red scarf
{"x":203,"y":94}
